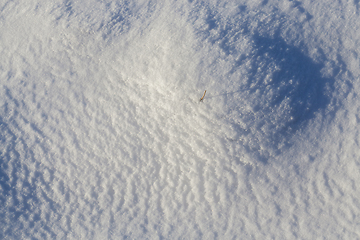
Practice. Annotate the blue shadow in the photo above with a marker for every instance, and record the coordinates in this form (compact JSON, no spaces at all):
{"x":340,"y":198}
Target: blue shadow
{"x":297,"y":78}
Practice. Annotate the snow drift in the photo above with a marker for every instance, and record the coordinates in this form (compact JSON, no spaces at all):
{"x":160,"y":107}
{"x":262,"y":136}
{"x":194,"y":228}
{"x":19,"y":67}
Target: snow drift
{"x":103,"y":134}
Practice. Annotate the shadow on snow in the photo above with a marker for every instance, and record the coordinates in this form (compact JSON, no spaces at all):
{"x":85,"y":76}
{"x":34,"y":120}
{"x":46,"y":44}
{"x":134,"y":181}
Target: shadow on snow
{"x":295,"y":77}
{"x":285,"y":89}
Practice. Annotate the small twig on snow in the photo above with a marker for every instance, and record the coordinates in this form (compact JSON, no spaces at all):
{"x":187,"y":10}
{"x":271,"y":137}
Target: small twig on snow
{"x":202,"y":96}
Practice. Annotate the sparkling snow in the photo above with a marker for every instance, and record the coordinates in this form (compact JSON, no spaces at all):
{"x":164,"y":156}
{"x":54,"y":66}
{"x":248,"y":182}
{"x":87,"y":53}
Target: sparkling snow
{"x":103,"y":136}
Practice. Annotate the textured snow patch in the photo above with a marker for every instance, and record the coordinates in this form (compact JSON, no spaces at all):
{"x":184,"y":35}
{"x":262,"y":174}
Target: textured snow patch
{"x":103,"y":134}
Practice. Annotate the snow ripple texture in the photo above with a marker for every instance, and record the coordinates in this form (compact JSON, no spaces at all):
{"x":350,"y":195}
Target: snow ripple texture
{"x":103,"y":135}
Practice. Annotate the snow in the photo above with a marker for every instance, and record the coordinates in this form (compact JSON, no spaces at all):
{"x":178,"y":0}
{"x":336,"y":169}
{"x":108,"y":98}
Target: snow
{"x":103,"y":135}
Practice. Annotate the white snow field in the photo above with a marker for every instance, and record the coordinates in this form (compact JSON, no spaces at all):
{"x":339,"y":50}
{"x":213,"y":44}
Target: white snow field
{"x":103,"y":135}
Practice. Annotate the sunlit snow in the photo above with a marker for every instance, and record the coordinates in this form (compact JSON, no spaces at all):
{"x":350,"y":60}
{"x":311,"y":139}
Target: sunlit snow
{"x":103,"y":134}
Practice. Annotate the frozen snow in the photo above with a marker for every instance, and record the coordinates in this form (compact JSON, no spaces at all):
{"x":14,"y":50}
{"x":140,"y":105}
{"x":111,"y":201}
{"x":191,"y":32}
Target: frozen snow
{"x":103,"y":135}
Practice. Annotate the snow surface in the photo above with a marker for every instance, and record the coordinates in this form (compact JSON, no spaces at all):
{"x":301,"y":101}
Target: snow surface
{"x":103,"y":135}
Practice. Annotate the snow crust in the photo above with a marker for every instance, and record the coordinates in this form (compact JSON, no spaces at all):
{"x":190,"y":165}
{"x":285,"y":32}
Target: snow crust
{"x":103,"y":136}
